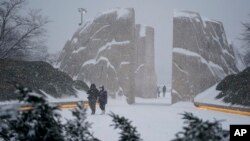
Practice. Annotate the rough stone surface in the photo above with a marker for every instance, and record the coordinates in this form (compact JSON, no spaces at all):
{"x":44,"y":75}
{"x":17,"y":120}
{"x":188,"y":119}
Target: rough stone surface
{"x":145,"y":77}
{"x":201,"y":55}
{"x":103,"y":52}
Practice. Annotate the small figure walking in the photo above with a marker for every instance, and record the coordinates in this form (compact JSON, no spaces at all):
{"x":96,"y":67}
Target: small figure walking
{"x":158,"y":91}
{"x":93,"y":95}
{"x":164,"y":90}
{"x":103,"y":99}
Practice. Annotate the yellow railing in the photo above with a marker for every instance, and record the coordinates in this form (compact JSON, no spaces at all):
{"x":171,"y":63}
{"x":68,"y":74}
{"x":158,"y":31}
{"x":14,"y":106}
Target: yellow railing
{"x":62,"y":105}
{"x":239,"y":111}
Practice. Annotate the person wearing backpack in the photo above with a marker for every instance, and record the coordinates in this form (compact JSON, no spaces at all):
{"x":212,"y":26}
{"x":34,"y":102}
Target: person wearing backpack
{"x":93,"y":94}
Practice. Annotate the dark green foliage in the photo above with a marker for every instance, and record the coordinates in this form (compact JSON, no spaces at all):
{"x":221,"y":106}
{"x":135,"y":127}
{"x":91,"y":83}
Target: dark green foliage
{"x":5,"y":117}
{"x":226,"y":82}
{"x":128,"y":132}
{"x":78,"y":129}
{"x":37,"y":75}
{"x":40,"y":123}
{"x":81,"y":85}
{"x":235,"y":89}
{"x":198,"y":130}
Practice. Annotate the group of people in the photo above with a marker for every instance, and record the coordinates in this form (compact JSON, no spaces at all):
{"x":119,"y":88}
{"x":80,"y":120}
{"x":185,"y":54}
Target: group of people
{"x":95,"y":95}
{"x":164,"y":89}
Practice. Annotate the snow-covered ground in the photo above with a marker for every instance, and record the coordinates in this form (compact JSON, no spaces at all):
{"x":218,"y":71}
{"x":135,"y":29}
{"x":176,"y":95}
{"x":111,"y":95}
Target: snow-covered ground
{"x":155,"y":119}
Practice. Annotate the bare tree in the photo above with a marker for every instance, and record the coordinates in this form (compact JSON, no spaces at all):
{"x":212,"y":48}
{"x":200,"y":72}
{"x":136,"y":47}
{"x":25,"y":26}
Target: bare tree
{"x":246,"y":34}
{"x":52,"y":58}
{"x":20,"y":32}
{"x":246,"y":38}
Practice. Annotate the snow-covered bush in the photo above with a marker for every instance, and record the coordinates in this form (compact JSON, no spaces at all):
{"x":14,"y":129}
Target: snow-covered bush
{"x":42,"y":122}
{"x":7,"y":114}
{"x":128,"y":132}
{"x":78,"y":128}
{"x":235,"y":88}
{"x":198,"y":130}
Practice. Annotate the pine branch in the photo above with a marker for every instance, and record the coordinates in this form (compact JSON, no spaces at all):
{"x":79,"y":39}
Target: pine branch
{"x":128,"y":132}
{"x":199,"y":130}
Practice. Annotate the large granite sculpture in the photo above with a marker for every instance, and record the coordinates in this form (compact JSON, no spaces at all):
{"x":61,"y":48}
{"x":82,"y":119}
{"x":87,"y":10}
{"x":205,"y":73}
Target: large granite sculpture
{"x":103,"y":52}
{"x":201,"y":55}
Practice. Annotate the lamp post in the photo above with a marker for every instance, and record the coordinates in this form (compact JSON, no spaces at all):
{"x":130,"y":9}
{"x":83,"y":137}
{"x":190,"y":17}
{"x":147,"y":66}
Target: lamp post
{"x":82,"y":11}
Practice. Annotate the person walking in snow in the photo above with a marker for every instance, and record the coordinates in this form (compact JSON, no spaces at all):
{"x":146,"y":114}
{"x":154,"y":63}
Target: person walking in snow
{"x":164,"y":90}
{"x":103,"y":98}
{"x":93,"y":94}
{"x":158,"y":91}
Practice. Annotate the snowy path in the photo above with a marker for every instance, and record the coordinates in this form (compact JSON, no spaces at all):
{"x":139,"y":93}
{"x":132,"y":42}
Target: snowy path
{"x":155,"y":119}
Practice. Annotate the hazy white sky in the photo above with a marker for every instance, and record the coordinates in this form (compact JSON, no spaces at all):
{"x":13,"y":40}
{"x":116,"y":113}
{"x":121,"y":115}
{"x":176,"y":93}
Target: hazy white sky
{"x":65,"y":17}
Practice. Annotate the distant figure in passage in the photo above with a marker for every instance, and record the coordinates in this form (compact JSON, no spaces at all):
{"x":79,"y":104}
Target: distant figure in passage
{"x":93,"y":95}
{"x":158,"y":91}
{"x":103,"y":98}
{"x":164,"y":90}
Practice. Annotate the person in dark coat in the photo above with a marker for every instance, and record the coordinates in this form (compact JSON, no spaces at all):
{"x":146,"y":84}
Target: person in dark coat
{"x":164,"y":90}
{"x":103,"y":98}
{"x":93,"y":94}
{"x":158,"y":91}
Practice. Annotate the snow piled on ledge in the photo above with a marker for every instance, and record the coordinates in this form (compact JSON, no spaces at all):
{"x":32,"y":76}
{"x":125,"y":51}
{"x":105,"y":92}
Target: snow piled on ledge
{"x":183,"y":13}
{"x":142,"y":31}
{"x":193,"y":15}
{"x":209,"y":97}
{"x":120,"y":12}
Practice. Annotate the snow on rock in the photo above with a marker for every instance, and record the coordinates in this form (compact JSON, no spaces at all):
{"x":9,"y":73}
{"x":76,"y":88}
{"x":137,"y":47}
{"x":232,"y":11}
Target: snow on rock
{"x":79,"y":49}
{"x":201,"y":54}
{"x":123,"y":63}
{"x":142,"y":31}
{"x":108,"y":45}
{"x":185,"y":14}
{"x":74,"y":40}
{"x":214,"y":68}
{"x":85,"y":26}
{"x":194,"y":16}
{"x":120,"y":12}
{"x":138,"y":68}
{"x":107,"y":51}
{"x":99,"y":30}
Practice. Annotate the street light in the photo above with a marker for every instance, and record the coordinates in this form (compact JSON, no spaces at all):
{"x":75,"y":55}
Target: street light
{"x":82,"y":11}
